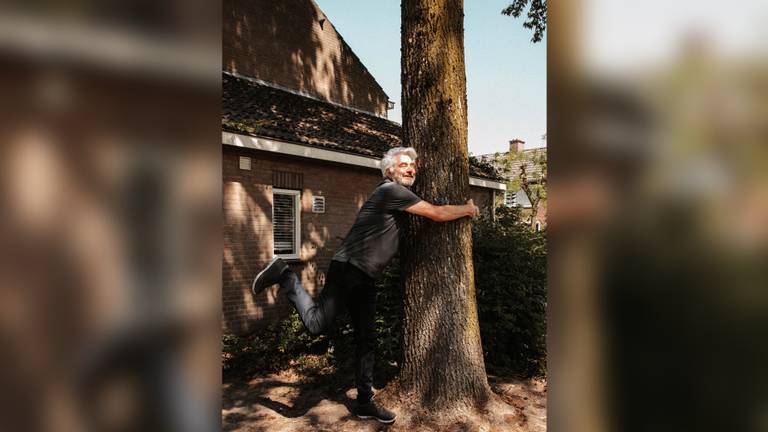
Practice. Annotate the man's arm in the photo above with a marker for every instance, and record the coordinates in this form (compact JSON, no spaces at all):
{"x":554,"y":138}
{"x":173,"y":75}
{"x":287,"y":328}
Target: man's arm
{"x":444,"y":213}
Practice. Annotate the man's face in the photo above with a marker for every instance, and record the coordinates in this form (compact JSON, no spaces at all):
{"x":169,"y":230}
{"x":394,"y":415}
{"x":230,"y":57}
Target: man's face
{"x":403,"y":171}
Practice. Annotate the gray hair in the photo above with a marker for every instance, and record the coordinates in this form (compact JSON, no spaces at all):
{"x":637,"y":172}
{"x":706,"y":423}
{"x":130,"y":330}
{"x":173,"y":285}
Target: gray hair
{"x":389,"y":157}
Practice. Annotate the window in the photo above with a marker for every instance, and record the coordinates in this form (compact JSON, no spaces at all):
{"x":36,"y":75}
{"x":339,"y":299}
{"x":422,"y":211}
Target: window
{"x":286,"y":223}
{"x":510,"y":199}
{"x":538,"y":225}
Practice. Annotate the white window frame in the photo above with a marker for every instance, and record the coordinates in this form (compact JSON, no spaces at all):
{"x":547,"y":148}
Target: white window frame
{"x":297,"y":222}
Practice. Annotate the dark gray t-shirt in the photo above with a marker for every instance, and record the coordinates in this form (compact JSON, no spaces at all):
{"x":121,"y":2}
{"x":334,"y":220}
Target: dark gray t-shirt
{"x":373,"y":239}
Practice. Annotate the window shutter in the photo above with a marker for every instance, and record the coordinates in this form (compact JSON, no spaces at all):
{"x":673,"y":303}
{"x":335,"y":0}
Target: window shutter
{"x":287,"y":180}
{"x":284,"y":223}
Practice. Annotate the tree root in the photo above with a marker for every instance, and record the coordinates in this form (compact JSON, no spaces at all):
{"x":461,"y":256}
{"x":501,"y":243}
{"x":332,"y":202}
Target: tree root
{"x":496,"y":415}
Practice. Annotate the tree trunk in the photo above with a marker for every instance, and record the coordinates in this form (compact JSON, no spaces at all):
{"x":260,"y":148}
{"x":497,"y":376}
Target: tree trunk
{"x":443,"y":357}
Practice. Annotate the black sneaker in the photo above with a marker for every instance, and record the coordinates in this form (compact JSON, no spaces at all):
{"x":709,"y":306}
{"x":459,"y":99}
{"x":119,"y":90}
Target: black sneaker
{"x":372,"y":409}
{"x":269,"y":276}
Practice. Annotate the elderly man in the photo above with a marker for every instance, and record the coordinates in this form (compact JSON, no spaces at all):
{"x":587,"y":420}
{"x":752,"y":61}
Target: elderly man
{"x":368,"y":247}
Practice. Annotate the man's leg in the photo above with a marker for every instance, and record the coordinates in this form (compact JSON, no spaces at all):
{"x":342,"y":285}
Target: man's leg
{"x":316,"y":314}
{"x":362,"y":309}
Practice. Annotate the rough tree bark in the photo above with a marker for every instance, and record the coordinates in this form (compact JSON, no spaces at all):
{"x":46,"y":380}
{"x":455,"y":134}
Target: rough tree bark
{"x":443,"y":364}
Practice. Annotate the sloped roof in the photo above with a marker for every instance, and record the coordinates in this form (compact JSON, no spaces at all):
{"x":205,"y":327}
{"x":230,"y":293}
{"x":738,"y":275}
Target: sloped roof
{"x":533,"y":170}
{"x":253,"y":108}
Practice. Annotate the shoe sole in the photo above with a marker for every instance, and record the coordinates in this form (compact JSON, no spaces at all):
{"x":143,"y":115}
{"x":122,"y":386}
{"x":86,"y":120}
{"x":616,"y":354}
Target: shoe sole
{"x":377,"y":419}
{"x":253,"y":285}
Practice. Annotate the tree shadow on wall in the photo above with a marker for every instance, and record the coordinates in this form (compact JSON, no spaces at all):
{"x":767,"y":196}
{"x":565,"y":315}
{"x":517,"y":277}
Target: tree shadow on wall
{"x":292,"y":43}
{"x":247,"y":210}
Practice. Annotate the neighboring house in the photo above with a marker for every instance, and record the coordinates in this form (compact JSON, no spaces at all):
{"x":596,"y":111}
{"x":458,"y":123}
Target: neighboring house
{"x":303,"y":129}
{"x":511,"y":165}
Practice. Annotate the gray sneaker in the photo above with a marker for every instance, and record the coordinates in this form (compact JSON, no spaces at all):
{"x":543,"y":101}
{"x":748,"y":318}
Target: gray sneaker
{"x":373,"y":410}
{"x":269,"y":276}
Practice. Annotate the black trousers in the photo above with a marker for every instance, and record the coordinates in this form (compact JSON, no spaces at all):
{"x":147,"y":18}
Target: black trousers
{"x":346,"y":286}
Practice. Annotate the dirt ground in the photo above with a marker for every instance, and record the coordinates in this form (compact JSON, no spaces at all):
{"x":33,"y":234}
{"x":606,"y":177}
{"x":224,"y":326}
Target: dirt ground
{"x":291,"y":401}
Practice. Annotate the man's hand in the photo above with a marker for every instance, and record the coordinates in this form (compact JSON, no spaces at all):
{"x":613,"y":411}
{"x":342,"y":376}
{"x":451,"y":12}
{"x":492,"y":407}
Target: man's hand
{"x":444,"y":213}
{"x":474,"y":211}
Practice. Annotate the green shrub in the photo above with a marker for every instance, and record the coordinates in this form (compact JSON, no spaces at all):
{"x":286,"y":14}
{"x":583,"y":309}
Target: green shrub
{"x":510,"y":278}
{"x":510,"y":264}
{"x":389,"y":322}
{"x":271,"y":348}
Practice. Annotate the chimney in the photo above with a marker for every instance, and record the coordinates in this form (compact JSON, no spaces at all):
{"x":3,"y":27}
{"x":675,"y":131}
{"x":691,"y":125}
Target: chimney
{"x":516,"y":145}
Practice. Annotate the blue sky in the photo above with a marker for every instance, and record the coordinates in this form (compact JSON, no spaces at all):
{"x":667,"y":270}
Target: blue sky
{"x":506,"y":73}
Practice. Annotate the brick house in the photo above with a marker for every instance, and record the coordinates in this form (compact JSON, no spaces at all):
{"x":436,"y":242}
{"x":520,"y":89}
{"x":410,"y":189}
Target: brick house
{"x":522,"y":161}
{"x":303,"y":128}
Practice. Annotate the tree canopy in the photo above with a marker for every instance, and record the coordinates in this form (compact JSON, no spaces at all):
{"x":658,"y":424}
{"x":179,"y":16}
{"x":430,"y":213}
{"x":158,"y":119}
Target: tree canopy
{"x":537,"y":16}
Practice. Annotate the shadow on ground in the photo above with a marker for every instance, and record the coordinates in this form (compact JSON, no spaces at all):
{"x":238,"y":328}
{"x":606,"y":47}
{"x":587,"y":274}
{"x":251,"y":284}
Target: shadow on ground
{"x":285,"y":401}
{"x":291,"y":401}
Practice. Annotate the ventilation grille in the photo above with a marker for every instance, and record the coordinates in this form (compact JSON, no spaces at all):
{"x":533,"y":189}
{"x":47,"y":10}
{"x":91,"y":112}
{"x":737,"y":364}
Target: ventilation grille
{"x":245,"y":163}
{"x":318,"y":204}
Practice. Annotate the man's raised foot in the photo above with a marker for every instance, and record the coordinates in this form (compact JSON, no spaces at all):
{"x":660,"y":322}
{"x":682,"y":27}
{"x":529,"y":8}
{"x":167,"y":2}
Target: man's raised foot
{"x":269,"y":276}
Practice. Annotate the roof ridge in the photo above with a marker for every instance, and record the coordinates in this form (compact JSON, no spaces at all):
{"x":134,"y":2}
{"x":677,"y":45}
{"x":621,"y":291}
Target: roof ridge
{"x":506,"y":152}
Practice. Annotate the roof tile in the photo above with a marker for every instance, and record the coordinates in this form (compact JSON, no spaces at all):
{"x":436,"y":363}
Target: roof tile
{"x":252,"y":108}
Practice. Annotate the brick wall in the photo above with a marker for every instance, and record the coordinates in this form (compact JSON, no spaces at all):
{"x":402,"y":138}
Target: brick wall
{"x":483,"y":198}
{"x":541,"y":215}
{"x":291,"y":43}
{"x":247,"y":230}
